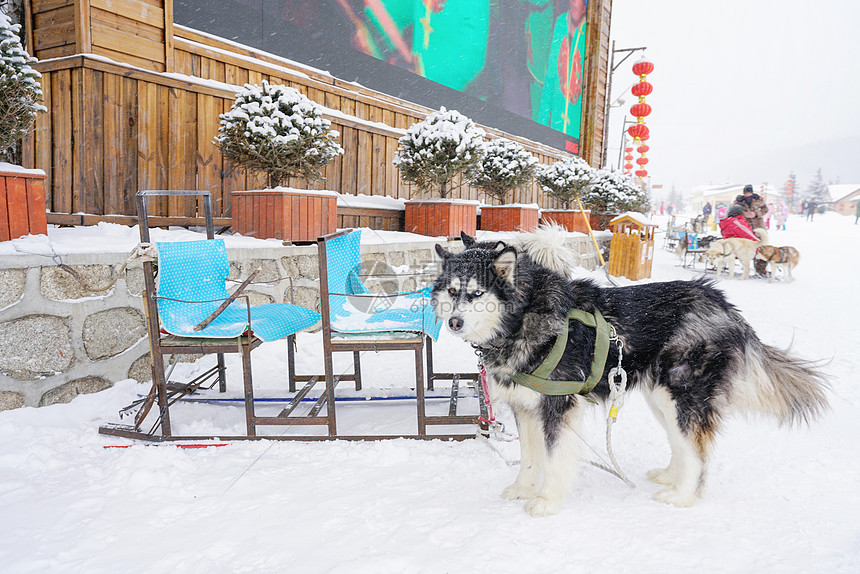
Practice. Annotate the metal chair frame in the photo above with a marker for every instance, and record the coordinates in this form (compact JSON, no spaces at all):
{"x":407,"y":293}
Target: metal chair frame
{"x":165,"y":393}
{"x":417,"y":344}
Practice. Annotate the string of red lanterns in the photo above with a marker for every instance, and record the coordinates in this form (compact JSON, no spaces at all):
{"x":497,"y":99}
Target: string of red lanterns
{"x":639,"y":131}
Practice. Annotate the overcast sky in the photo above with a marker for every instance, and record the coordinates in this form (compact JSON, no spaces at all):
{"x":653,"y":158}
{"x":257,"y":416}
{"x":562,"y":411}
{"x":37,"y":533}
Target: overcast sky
{"x":745,"y":91}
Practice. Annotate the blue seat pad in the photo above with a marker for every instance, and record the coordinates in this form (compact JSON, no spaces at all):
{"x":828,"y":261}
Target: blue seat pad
{"x":196,"y":271}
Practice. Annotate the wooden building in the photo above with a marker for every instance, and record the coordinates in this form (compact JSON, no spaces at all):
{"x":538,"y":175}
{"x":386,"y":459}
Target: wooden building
{"x":133,"y":102}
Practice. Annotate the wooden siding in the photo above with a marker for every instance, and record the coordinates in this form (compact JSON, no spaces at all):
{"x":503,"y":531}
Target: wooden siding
{"x":115,"y":128}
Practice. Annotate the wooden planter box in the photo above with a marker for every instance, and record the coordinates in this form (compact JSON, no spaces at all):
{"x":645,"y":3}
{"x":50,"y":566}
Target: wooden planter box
{"x":441,"y":218}
{"x":570,"y":219}
{"x":509,"y":218}
{"x":289,"y":214}
{"x":22,"y":203}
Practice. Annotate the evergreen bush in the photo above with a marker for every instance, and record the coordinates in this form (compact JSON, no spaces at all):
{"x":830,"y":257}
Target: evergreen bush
{"x":20,"y":89}
{"x":505,"y":167}
{"x":276,"y":130}
{"x":437,"y":149}
{"x":613,"y":192}
{"x":565,"y":179}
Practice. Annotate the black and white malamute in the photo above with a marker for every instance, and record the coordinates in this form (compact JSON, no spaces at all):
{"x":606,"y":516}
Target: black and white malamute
{"x":684,"y":345}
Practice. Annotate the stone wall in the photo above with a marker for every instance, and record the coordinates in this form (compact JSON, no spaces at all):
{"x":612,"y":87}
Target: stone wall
{"x":59,"y":339}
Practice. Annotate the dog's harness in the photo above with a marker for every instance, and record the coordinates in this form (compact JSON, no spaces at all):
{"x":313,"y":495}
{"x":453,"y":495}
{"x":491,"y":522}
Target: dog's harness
{"x":723,"y":249}
{"x":784,"y":255}
{"x":537,"y":379}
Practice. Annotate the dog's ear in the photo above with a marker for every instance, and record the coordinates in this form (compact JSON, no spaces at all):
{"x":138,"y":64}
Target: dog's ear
{"x":506,"y":264}
{"x":443,"y":253}
{"x":499,"y":245}
{"x":468,"y":241}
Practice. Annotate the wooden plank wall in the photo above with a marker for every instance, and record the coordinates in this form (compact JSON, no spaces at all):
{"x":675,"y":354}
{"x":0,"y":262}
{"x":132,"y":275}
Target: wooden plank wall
{"x":54,"y":24}
{"x":113,"y":129}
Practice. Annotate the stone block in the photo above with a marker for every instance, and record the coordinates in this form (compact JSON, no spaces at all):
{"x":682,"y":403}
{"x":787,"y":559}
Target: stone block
{"x":307,"y":297}
{"x":68,"y":391}
{"x":141,"y":370}
{"x":109,"y":333}
{"x":11,"y":286}
{"x":61,"y":285}
{"x":306,"y":266}
{"x":396,"y":258}
{"x":268,"y":270}
{"x":35,"y":346}
{"x":256,"y":298}
{"x":134,"y":281}
{"x":10,"y":400}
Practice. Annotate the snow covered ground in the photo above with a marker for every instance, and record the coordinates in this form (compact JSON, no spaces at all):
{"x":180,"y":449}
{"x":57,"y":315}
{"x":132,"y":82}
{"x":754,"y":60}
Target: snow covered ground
{"x":779,"y":500}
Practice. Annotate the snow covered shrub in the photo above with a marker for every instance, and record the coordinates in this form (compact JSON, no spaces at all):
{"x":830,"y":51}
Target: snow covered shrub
{"x":612,"y":192}
{"x":566,"y":179}
{"x":435,"y":150}
{"x":20,"y":90}
{"x":505,"y":166}
{"x":276,"y":130}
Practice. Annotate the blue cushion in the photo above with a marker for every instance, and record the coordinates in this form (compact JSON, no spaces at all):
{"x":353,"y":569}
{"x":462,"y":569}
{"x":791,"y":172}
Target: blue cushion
{"x":196,"y":271}
{"x":405,"y":312}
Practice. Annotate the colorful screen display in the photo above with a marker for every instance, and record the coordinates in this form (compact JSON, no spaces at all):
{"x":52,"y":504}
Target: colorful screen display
{"x":515,"y":65}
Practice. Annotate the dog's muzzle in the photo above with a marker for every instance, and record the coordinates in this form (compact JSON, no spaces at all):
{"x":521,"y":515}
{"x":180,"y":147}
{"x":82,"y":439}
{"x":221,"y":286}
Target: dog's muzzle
{"x":455,"y":324}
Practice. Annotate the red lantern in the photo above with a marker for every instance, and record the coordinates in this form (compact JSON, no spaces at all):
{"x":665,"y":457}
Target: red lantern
{"x":628,"y":157}
{"x":628,"y":149}
{"x":641,"y":173}
{"x":628,"y":166}
{"x":642,"y":161}
{"x":640,"y":110}
{"x":643,"y":67}
{"x":643,"y":148}
{"x":638,"y":131}
{"x":645,"y":137}
{"x":642,"y":89}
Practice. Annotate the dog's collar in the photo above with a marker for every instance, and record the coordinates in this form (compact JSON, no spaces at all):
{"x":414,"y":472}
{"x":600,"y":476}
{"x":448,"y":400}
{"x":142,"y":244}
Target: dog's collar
{"x":537,"y":379}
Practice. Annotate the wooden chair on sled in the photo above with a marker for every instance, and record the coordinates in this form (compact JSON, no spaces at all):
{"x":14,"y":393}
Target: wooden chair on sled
{"x":191,"y":312}
{"x":355,"y":320}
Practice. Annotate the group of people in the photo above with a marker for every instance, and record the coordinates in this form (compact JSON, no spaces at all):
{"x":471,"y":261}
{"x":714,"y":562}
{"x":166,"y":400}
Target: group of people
{"x":745,"y":218}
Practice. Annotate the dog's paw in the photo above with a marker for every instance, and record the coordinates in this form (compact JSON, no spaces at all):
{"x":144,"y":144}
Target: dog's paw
{"x":664,"y":476}
{"x":542,"y":506}
{"x":676,"y":498}
{"x":517,"y":491}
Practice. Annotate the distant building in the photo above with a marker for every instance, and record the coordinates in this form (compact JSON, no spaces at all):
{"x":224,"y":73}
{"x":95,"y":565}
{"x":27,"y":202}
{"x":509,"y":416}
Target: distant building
{"x":722,"y":196}
{"x":846,"y":196}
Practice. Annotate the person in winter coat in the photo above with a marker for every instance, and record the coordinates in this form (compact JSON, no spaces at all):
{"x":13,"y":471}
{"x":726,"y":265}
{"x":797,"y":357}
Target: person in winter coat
{"x":811,"y":206}
{"x":754,"y":208}
{"x":736,"y":225}
{"x":781,"y":215}
{"x":706,"y":211}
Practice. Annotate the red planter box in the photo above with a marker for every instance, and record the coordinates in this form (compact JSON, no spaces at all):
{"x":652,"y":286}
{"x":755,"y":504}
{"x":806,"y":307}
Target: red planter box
{"x":600,"y":221}
{"x":287,"y":214}
{"x":22,"y":204}
{"x":570,"y":219}
{"x":441,"y":218}
{"x":509,"y":218}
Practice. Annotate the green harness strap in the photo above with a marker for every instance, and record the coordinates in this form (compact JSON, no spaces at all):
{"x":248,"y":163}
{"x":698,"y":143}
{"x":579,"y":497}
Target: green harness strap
{"x":537,"y":380}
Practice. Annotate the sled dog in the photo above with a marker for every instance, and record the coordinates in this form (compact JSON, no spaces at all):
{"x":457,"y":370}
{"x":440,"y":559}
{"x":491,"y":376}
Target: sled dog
{"x":782,"y":258}
{"x":723,"y":252}
{"x":685,"y":347}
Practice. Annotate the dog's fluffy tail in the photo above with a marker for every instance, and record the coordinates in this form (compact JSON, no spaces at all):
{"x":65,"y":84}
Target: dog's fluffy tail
{"x":546,"y":247}
{"x":789,"y":389}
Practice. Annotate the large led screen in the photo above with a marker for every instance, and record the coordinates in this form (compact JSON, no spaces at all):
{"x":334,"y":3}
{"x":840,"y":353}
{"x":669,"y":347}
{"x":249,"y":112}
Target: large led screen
{"x":516,"y":65}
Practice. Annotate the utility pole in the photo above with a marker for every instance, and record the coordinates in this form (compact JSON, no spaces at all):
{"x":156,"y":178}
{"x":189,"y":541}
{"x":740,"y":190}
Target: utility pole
{"x":612,"y":67}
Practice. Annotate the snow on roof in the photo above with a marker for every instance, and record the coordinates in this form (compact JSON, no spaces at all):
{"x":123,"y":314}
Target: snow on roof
{"x":638,"y":217}
{"x":843,"y":191}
